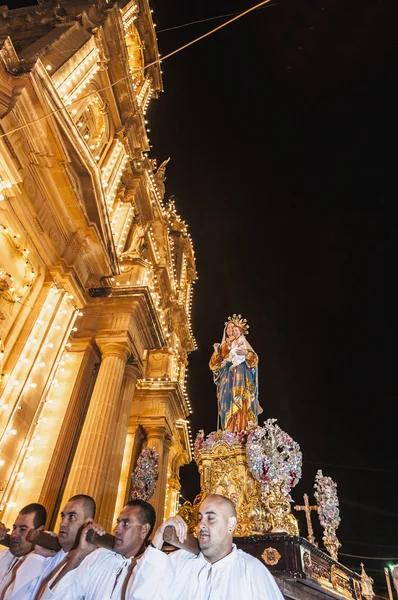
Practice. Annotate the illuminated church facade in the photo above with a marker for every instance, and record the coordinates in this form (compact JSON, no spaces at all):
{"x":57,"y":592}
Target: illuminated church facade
{"x":96,"y":268}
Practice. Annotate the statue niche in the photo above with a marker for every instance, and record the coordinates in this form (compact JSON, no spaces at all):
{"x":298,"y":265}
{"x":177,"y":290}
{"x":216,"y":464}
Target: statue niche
{"x":137,"y":243}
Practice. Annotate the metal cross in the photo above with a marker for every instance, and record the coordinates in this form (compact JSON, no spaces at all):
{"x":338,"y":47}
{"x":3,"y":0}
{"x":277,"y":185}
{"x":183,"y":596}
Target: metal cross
{"x":307,"y":509}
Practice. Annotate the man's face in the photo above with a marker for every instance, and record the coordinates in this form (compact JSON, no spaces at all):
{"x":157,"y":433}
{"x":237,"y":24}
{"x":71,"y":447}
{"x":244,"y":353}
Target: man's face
{"x":18,"y":544}
{"x":215,"y":528}
{"x":129,"y":532}
{"x":73,"y":520}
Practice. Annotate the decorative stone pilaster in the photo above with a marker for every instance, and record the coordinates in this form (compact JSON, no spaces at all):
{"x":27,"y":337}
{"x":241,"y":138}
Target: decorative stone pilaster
{"x":119,"y":435}
{"x":93,"y":455}
{"x":133,"y":445}
{"x":158,"y":436}
{"x":69,"y":433}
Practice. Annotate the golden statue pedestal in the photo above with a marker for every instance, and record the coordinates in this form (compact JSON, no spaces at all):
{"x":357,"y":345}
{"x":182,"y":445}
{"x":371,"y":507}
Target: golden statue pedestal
{"x":224,"y":470}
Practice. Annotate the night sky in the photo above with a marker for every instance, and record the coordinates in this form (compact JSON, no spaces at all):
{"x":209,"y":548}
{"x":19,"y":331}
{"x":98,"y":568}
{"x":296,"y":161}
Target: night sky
{"x":282,"y":130}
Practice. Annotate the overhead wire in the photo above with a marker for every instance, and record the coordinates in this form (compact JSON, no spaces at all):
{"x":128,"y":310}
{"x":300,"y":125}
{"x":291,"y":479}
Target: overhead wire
{"x":202,"y":21}
{"x":157,"y":61}
{"x":368,"y":557}
{"x":354,"y":467}
{"x":195,"y":22}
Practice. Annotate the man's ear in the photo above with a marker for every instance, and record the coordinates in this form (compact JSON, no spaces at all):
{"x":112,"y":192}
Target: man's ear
{"x":145,"y":530}
{"x":231,"y":524}
{"x":41,"y":528}
{"x":89,"y":521}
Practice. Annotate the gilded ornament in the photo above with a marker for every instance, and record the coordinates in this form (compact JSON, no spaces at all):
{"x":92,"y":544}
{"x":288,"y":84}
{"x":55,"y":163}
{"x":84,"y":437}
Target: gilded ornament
{"x":366,"y":585}
{"x":275,"y":460}
{"x":328,"y":511}
{"x":271,"y":556}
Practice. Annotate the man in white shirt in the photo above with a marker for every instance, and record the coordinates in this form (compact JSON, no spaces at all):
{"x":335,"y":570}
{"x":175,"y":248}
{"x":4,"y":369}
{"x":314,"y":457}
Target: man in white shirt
{"x":32,"y":516}
{"x":41,"y":564}
{"x":104,"y":574}
{"x":395,"y":578}
{"x":219,"y":572}
{"x":77,"y":513}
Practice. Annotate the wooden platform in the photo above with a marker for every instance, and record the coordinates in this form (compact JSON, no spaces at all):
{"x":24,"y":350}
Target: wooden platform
{"x":302,"y":571}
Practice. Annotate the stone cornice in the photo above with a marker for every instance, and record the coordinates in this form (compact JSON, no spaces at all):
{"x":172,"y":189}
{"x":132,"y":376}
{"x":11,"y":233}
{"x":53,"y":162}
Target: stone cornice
{"x":147,"y":31}
{"x":169,"y":391}
{"x":121,"y":311}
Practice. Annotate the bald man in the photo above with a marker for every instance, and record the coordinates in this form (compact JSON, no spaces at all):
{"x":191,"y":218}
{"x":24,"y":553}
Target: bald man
{"x":395,"y":578}
{"x":219,"y":572}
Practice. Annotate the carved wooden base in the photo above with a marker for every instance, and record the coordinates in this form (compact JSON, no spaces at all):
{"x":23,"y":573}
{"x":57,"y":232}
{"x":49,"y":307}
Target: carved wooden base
{"x":224,"y":470}
{"x":301,"y":569}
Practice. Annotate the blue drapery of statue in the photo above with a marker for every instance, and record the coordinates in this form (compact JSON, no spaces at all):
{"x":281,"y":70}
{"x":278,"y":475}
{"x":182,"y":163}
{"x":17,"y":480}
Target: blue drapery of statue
{"x":235,"y":372}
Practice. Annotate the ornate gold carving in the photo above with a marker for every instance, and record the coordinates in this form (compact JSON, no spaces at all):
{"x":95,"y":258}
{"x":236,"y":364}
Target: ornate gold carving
{"x":186,"y":512}
{"x":278,"y":507}
{"x":357,"y":589}
{"x":366,"y":585}
{"x":329,"y":577}
{"x":271,"y":556}
{"x":332,"y":544}
{"x":307,"y":563}
{"x":224,"y":470}
{"x":320,"y":571}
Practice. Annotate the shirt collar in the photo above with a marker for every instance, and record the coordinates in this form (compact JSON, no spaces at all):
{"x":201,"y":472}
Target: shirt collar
{"x":224,"y":563}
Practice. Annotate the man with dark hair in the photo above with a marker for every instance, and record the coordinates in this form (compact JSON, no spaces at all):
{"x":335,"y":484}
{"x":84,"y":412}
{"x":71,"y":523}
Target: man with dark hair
{"x":31,"y":516}
{"x":39,"y":514}
{"x":78,"y":512}
{"x":42,"y":564}
{"x":219,"y":572}
{"x":101,"y":574}
{"x":88,"y":504}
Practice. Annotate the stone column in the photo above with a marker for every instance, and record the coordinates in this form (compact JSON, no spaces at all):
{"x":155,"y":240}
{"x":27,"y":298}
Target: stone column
{"x":92,"y":459}
{"x":134,"y":442}
{"x":173,"y":495}
{"x":158,"y":436}
{"x":119,"y":436}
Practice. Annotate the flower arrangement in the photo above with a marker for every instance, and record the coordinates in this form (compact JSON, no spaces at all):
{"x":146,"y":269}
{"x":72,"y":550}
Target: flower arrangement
{"x":273,"y":458}
{"x":206,"y":443}
{"x":328,"y":502}
{"x":200,"y":438}
{"x":145,"y":474}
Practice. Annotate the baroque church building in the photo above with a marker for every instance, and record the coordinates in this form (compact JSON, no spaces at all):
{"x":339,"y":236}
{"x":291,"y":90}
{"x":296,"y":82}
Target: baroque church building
{"x":96,"y":267}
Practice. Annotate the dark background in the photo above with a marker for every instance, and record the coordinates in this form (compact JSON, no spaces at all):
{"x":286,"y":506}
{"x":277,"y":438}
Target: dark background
{"x":281,"y":130}
{"x":282,"y":134}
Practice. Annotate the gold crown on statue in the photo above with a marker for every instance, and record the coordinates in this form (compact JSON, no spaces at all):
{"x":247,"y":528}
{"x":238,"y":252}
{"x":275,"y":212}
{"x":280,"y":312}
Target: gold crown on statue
{"x":239,"y":321}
